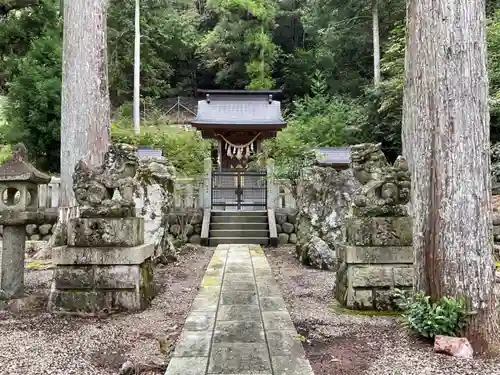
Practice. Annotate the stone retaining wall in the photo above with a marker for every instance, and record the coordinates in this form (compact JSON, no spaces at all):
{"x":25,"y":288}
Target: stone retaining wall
{"x":186,"y":226}
{"x":286,"y":225}
{"x":39,"y":232}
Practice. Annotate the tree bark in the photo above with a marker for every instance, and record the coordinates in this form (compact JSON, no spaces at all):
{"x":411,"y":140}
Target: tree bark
{"x":85,"y":104}
{"x":446,"y":138}
{"x":376,"y":44}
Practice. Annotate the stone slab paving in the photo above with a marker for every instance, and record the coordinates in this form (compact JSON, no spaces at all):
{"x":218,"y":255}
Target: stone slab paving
{"x":239,"y":323}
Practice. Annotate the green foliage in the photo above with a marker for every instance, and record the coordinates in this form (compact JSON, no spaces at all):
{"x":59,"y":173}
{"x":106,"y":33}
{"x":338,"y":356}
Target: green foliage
{"x":169,"y":37}
{"x":319,"y":120}
{"x":386,"y":101}
{"x":17,"y":32}
{"x":494,"y":74}
{"x":429,"y":319}
{"x":185,"y":149}
{"x":241,"y":62}
{"x":33,"y":106}
{"x":495,"y":162}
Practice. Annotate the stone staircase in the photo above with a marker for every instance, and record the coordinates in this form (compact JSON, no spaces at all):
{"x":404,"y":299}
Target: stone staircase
{"x":239,"y":227}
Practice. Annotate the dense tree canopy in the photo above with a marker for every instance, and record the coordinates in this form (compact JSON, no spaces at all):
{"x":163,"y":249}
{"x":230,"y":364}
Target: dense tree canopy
{"x":291,"y":45}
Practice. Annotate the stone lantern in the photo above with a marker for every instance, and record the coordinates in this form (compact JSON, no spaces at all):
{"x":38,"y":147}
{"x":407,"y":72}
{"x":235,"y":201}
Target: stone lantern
{"x":19,"y":182}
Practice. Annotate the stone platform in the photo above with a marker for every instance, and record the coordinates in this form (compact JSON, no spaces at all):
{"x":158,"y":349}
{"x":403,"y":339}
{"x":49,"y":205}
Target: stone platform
{"x":239,"y":323}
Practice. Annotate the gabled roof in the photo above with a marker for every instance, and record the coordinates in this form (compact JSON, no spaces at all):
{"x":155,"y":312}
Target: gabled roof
{"x":339,"y":156}
{"x":239,"y":107}
{"x":144,"y":153}
{"x":17,"y":169}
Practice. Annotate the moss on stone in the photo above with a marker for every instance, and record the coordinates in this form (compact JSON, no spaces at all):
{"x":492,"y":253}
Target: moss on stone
{"x":209,"y":281}
{"x":344,"y":310}
{"x":497,"y":264}
{"x":38,"y":265}
{"x":147,"y":282}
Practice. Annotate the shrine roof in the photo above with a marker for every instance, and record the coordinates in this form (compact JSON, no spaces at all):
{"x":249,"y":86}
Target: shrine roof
{"x":239,"y":108}
{"x":338,"y":156}
{"x":16,"y":168}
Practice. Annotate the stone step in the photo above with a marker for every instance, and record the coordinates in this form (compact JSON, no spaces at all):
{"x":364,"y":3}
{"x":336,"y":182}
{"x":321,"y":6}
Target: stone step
{"x":239,"y":213}
{"x":214,"y":241}
{"x":234,"y":226}
{"x":238,"y":219}
{"x":239,"y":233}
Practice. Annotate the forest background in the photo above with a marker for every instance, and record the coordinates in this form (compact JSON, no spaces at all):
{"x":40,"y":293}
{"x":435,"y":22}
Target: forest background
{"x":319,"y":52}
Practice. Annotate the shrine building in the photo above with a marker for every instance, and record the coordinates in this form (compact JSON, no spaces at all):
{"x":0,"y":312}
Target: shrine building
{"x":239,"y":121}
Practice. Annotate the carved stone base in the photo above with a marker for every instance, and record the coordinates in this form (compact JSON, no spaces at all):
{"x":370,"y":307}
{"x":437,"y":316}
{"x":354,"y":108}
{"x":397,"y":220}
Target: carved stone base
{"x":377,"y":258}
{"x":105,"y":232}
{"x":102,"y":280}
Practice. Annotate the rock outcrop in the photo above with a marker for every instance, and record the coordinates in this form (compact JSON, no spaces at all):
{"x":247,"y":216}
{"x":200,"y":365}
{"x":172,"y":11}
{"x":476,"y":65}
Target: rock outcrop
{"x":324,"y":198}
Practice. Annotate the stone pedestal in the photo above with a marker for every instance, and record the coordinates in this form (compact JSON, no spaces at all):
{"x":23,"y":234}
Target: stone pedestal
{"x":376,"y":258}
{"x":105,"y":268}
{"x":12,"y":262}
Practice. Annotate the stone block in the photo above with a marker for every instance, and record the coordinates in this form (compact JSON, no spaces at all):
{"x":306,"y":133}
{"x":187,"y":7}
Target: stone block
{"x":403,"y":276}
{"x":105,"y":232}
{"x":241,"y":277}
{"x":291,"y":366}
{"x":45,"y":229}
{"x":236,"y":268}
{"x":239,"y":358}
{"x":272,"y":304}
{"x":370,"y":276}
{"x":266,"y":290}
{"x":277,"y":321}
{"x":70,"y":296}
{"x":238,"y":297}
{"x":285,"y":343}
{"x":380,"y":276}
{"x":376,"y":255}
{"x":205,"y":304}
{"x":187,"y":366}
{"x":12,"y":262}
{"x":97,"y":301}
{"x":193,"y":344}
{"x":66,"y":255}
{"x":195,"y":239}
{"x":238,"y":312}
{"x":379,"y":231}
{"x":287,"y":228}
{"x":359,"y":299}
{"x":117,"y":277}
{"x":200,"y":321}
{"x":74,"y":277}
{"x":239,"y":331}
{"x":238,"y":285}
{"x":281,"y":218}
{"x":283,"y":238}
{"x":383,"y":299}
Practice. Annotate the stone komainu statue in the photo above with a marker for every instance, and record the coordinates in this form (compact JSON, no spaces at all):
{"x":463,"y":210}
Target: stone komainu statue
{"x":385,"y":188}
{"x":94,"y":187}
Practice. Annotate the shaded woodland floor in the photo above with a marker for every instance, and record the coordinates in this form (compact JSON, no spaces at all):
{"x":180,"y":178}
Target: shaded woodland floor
{"x":347,"y":344}
{"x":35,"y":342}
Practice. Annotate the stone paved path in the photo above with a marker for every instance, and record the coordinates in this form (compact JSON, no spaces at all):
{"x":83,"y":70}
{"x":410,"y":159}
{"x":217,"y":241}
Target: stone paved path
{"x":239,"y":323}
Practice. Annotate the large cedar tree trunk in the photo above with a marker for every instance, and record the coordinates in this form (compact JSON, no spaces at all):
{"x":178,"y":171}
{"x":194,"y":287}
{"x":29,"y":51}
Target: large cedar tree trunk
{"x":85,"y":106}
{"x":376,"y":44}
{"x":446,"y":138}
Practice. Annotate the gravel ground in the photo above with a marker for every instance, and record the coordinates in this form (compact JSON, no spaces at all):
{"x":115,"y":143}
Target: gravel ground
{"x":346,"y":344}
{"x":33,"y":342}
